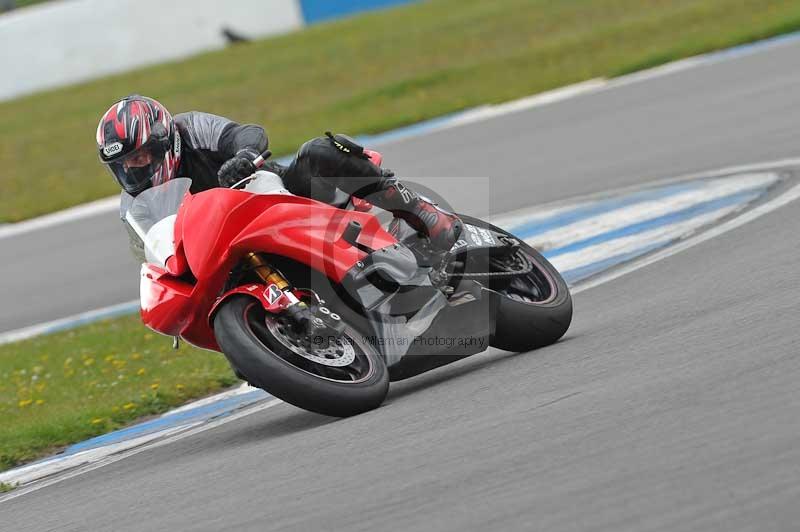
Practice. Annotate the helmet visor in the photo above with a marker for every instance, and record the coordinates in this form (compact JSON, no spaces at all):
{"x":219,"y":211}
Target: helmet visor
{"x":134,"y":172}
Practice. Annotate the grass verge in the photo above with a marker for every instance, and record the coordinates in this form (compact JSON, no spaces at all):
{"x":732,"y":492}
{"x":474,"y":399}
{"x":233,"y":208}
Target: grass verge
{"x":369,"y":74}
{"x":67,"y":387}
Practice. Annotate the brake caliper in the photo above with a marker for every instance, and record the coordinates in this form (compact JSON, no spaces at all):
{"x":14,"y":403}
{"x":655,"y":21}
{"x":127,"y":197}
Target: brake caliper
{"x":317,"y":326}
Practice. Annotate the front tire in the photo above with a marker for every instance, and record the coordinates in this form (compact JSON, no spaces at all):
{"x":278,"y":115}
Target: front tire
{"x":252,"y":343}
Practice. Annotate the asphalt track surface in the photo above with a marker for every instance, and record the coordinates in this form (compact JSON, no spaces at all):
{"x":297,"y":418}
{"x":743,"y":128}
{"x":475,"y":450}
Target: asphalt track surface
{"x":671,"y":404}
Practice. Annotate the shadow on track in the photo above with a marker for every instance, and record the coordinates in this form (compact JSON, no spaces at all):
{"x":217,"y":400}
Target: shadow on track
{"x":491,"y":359}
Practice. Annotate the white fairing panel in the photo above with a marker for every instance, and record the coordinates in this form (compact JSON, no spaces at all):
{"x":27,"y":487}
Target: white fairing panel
{"x":159,"y":243}
{"x":264,"y":182}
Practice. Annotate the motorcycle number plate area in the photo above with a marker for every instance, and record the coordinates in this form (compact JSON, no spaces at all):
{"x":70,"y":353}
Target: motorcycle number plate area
{"x":473,"y":237}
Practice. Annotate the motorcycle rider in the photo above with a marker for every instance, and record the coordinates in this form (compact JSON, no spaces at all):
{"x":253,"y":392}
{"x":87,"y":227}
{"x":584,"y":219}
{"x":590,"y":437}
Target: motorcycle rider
{"x":142,"y":145}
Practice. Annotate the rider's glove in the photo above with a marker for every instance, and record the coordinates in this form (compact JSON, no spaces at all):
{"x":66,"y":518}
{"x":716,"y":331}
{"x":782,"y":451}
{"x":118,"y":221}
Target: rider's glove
{"x":237,"y":168}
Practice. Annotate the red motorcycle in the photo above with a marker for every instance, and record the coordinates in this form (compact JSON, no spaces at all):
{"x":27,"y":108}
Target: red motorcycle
{"x":322,"y":305}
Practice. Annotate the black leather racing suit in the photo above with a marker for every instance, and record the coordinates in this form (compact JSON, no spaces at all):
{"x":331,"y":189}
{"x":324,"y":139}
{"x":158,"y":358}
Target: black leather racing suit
{"x":318,"y":169}
{"x":207,"y":141}
{"x":210,"y":140}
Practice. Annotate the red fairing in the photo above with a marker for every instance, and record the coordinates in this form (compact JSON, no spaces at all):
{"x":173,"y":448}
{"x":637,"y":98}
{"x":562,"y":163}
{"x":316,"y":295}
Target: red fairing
{"x":165,"y":301}
{"x":360,"y":205}
{"x":374,"y":156}
{"x":312,"y":234}
{"x":211,"y":219}
{"x":215,"y":229}
{"x":223,"y":226}
{"x":177,"y":264}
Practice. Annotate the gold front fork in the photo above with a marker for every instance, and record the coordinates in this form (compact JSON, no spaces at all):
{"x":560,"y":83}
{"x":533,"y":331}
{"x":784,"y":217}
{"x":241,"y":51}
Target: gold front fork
{"x":270,"y":275}
{"x":267,"y":273}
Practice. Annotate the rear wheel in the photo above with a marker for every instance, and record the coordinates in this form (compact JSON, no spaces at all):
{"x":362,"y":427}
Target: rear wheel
{"x":531,"y":310}
{"x":343,"y":378}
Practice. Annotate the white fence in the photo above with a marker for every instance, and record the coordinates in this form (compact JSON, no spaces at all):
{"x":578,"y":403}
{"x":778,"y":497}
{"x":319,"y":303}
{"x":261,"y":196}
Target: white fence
{"x":67,"y":41}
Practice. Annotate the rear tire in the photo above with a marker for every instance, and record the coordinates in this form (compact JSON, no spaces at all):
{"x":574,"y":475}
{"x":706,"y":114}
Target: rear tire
{"x":254,"y":351}
{"x":525,"y":325}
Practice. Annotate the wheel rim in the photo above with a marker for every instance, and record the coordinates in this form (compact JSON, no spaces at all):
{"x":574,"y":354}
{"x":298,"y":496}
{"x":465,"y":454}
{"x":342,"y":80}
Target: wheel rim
{"x":354,"y":364}
{"x":535,"y":287}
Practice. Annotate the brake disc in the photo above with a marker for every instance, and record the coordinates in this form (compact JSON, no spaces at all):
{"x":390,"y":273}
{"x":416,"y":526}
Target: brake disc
{"x":337,"y":353}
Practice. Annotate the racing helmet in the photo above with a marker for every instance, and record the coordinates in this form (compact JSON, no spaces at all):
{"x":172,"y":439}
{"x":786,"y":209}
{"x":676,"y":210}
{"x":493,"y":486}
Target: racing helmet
{"x":138,"y":143}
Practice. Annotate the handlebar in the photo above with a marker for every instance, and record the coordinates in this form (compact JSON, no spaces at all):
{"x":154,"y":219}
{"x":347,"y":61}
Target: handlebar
{"x":259,"y":161}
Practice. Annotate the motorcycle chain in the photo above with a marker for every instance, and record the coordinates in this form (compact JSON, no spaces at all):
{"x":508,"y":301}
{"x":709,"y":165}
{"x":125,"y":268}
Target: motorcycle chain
{"x":527,"y":267}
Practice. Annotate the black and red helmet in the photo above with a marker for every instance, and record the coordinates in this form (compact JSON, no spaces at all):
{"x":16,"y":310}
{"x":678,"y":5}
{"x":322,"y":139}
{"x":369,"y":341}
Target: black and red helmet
{"x":137,"y":142}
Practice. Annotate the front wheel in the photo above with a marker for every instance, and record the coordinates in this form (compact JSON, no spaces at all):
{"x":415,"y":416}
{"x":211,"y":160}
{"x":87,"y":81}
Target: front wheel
{"x":531,"y":310}
{"x":345,"y":378}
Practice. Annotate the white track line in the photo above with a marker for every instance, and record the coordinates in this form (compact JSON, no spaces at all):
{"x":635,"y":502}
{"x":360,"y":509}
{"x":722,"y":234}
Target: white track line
{"x":133,"y":451}
{"x":78,"y":212}
{"x":89,"y":316}
{"x":649,"y":209}
{"x":545,"y":210}
{"x":618,"y":246}
{"x":706,"y":59}
{"x":766,"y":208}
{"x":239,"y":390}
{"x":56,"y":464}
{"x":487,"y":112}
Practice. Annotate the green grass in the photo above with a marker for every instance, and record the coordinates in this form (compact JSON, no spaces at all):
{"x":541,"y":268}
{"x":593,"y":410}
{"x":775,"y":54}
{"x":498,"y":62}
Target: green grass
{"x":369,"y":74}
{"x":67,"y":387}
{"x":23,"y":3}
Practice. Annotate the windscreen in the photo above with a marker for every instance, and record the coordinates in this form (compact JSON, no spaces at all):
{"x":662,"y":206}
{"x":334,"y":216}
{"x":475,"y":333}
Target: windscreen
{"x":151,"y":217}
